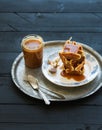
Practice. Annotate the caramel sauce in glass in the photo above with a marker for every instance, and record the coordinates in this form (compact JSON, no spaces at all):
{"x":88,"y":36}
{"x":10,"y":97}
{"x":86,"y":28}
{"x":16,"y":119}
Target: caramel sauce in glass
{"x":32,"y":47}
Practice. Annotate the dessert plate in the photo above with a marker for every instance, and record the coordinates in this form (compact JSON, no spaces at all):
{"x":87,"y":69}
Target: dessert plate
{"x":91,"y":70}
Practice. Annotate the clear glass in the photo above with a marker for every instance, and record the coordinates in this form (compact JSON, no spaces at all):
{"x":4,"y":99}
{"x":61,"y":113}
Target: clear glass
{"x":32,"y":47}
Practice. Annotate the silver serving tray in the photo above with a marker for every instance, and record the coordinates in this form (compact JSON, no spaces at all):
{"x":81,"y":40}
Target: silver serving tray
{"x":19,"y":71}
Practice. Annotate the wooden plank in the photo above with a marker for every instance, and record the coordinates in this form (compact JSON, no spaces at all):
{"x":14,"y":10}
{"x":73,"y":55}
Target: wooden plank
{"x":10,"y":94}
{"x":11,"y":41}
{"x":63,"y":19}
{"x":27,"y":126}
{"x":14,"y":96}
{"x":66,"y":114}
{"x":5,"y":27}
{"x":71,"y":22}
{"x":14,"y":21}
{"x":51,"y":6}
{"x":6,"y":61}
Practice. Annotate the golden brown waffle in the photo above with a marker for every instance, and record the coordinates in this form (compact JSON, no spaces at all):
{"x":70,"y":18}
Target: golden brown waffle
{"x":73,"y":58}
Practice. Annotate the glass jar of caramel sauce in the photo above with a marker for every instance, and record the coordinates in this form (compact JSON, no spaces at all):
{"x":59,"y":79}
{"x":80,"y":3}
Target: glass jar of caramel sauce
{"x":32,"y":47}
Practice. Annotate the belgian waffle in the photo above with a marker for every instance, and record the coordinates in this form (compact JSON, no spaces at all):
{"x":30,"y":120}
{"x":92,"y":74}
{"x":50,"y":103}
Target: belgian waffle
{"x":73,"y":58}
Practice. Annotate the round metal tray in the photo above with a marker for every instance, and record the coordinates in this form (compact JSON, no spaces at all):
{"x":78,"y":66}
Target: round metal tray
{"x":19,"y":71}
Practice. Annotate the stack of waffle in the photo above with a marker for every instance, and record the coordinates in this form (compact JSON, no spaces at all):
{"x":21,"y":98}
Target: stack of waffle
{"x":73,"y":58}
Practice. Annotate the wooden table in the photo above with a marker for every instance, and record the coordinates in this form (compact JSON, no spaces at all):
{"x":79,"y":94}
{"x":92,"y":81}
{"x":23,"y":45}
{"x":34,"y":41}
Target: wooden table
{"x":53,"y":20}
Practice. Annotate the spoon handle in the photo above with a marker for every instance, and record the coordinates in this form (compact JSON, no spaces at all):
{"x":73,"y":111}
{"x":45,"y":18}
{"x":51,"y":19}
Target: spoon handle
{"x":44,"y":97}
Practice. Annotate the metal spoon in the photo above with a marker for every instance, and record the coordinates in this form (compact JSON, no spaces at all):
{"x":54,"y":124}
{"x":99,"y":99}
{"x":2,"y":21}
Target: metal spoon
{"x":49,"y":91}
{"x":35,"y":86}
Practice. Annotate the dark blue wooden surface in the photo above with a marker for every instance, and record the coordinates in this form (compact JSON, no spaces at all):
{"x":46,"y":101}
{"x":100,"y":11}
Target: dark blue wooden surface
{"x":53,"y":20}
